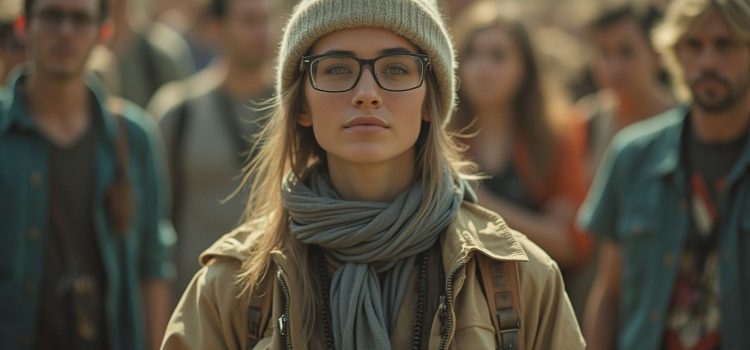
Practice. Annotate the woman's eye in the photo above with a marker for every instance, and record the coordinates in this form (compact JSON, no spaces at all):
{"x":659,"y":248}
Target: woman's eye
{"x":338,"y":70}
{"x":396,"y":70}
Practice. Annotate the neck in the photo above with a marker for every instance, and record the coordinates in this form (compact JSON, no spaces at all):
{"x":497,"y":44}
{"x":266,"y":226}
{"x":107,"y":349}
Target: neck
{"x":373,"y":182}
{"x":722,"y":126}
{"x":63,"y":100}
{"x":646,"y":102}
{"x":495,"y":119}
{"x":243,"y":81}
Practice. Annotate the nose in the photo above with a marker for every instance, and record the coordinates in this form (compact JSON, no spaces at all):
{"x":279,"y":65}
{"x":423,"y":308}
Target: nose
{"x":367,"y":92}
{"x":67,"y":26}
{"x":708,"y":58}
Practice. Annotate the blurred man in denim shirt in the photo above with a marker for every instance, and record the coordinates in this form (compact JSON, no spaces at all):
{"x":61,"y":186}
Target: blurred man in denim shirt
{"x":671,"y":202}
{"x":83,"y":250}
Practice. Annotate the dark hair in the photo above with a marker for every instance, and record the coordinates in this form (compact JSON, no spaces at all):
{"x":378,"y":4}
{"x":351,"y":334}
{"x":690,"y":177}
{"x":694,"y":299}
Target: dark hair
{"x":646,"y":16}
{"x":218,"y":8}
{"x":28,"y":6}
{"x":532,"y":118}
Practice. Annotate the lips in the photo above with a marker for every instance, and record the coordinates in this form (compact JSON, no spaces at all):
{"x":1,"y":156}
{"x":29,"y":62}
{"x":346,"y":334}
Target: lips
{"x":366,"y":122}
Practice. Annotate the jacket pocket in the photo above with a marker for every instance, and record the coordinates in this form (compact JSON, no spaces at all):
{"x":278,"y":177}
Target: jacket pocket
{"x":639,"y":231}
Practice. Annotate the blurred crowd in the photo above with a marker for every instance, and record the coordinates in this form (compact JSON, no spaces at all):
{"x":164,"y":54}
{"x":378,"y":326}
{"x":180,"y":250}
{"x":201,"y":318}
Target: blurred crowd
{"x":545,"y":86}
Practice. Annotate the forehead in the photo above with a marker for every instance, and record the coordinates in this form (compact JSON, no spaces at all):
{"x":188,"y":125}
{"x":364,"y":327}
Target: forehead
{"x":364,"y":42}
{"x":91,"y":6}
{"x":710,"y":26}
{"x":624,"y":27}
{"x":248,"y":6}
{"x":491,"y":36}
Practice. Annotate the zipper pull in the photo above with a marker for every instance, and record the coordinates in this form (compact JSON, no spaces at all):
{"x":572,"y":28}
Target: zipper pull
{"x":283,"y":319}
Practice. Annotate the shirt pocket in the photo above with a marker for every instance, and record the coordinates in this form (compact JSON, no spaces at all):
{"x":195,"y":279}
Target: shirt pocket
{"x":638,"y":231}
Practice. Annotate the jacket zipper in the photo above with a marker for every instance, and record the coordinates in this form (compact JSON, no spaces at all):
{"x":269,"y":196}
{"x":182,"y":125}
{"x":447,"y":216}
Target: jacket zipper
{"x":446,"y":305}
{"x":284,"y":318}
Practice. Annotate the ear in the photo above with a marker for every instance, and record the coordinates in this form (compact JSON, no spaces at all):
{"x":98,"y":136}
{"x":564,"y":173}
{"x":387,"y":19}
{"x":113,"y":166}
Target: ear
{"x":105,"y":32}
{"x":304,"y":119}
{"x":19,"y":25}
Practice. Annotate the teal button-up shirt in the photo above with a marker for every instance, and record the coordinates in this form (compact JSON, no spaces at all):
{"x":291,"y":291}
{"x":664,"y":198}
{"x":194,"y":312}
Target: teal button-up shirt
{"x":24,"y":220}
{"x":639,"y":200}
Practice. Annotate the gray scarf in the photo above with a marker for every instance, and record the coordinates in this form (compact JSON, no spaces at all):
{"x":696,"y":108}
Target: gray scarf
{"x":369,"y":238}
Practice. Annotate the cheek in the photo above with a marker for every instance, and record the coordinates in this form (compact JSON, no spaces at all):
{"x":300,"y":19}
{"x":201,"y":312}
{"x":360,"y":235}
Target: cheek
{"x":412,"y":111}
{"x":514,"y":76}
{"x":322,"y":107}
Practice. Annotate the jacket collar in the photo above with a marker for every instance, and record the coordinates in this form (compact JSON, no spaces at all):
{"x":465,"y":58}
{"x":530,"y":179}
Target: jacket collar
{"x":13,"y":111}
{"x":667,"y":153}
{"x":474,"y":229}
{"x":478,"y":230}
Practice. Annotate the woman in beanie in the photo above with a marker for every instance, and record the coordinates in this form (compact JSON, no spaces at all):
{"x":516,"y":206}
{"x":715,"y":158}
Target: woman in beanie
{"x":360,"y":231}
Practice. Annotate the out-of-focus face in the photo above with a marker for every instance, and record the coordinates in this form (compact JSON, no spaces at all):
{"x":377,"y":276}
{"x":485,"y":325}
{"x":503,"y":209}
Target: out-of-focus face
{"x":624,"y":61}
{"x":492,"y":69}
{"x":715,"y":63}
{"x":246,"y":30}
{"x":60,"y":35}
{"x":367,"y":124}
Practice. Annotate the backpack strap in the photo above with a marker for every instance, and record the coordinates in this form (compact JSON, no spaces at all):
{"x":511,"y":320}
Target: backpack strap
{"x":119,"y":196}
{"x":501,"y":288}
{"x":176,"y":163}
{"x":258,"y":314}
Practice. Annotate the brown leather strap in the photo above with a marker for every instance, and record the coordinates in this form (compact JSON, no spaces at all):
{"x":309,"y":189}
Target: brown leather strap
{"x":121,"y":147}
{"x":500,"y":283}
{"x":258,"y":314}
{"x":120,"y":201}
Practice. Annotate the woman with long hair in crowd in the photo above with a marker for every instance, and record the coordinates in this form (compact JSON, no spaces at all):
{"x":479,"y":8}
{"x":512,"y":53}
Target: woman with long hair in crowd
{"x":361,"y":232}
{"x":533,"y":159}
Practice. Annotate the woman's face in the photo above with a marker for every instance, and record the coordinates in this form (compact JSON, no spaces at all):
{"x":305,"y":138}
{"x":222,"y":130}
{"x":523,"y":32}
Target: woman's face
{"x":623,"y":60}
{"x":492,"y":69}
{"x":366,"y":124}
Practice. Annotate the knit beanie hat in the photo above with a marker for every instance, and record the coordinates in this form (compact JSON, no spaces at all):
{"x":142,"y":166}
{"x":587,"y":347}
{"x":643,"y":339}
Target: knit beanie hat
{"x":416,"y":20}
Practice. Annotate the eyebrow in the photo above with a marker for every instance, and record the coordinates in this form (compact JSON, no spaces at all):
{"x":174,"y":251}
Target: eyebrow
{"x":390,"y":51}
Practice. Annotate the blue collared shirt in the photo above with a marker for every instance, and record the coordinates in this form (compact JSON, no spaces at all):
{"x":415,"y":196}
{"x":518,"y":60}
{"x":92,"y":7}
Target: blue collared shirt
{"x":24,"y":219}
{"x":640,"y":201}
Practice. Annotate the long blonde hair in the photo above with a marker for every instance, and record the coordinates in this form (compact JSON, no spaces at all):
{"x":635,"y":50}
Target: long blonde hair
{"x":285,"y":146}
{"x":683,"y":14}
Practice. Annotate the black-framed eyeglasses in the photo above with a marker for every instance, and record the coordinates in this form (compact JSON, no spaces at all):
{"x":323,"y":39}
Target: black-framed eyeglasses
{"x":341,"y":73}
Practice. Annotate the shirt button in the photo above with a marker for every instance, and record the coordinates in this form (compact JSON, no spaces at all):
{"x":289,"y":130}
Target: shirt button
{"x":33,"y":234}
{"x":36,"y":178}
{"x":683,"y":204}
{"x":29,"y":287}
{"x":669,"y":259}
{"x":637,"y":229}
{"x":655,"y":316}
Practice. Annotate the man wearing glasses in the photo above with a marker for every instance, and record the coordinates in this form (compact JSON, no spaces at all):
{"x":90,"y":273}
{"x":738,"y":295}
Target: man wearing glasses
{"x":83,"y":252}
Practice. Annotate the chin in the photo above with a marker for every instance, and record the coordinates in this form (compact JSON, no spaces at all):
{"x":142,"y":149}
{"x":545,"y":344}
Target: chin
{"x":365,"y":156}
{"x":64,"y":71}
{"x":367,"y":153}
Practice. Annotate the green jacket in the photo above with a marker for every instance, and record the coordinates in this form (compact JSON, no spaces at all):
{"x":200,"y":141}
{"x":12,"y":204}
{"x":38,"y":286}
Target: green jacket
{"x":24,"y":220}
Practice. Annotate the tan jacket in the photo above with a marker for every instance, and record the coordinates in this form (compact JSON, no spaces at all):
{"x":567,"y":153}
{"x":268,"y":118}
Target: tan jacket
{"x":213,"y":315}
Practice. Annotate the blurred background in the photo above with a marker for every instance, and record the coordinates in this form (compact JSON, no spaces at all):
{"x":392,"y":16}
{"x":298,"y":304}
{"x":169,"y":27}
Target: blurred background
{"x":547,"y":82}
